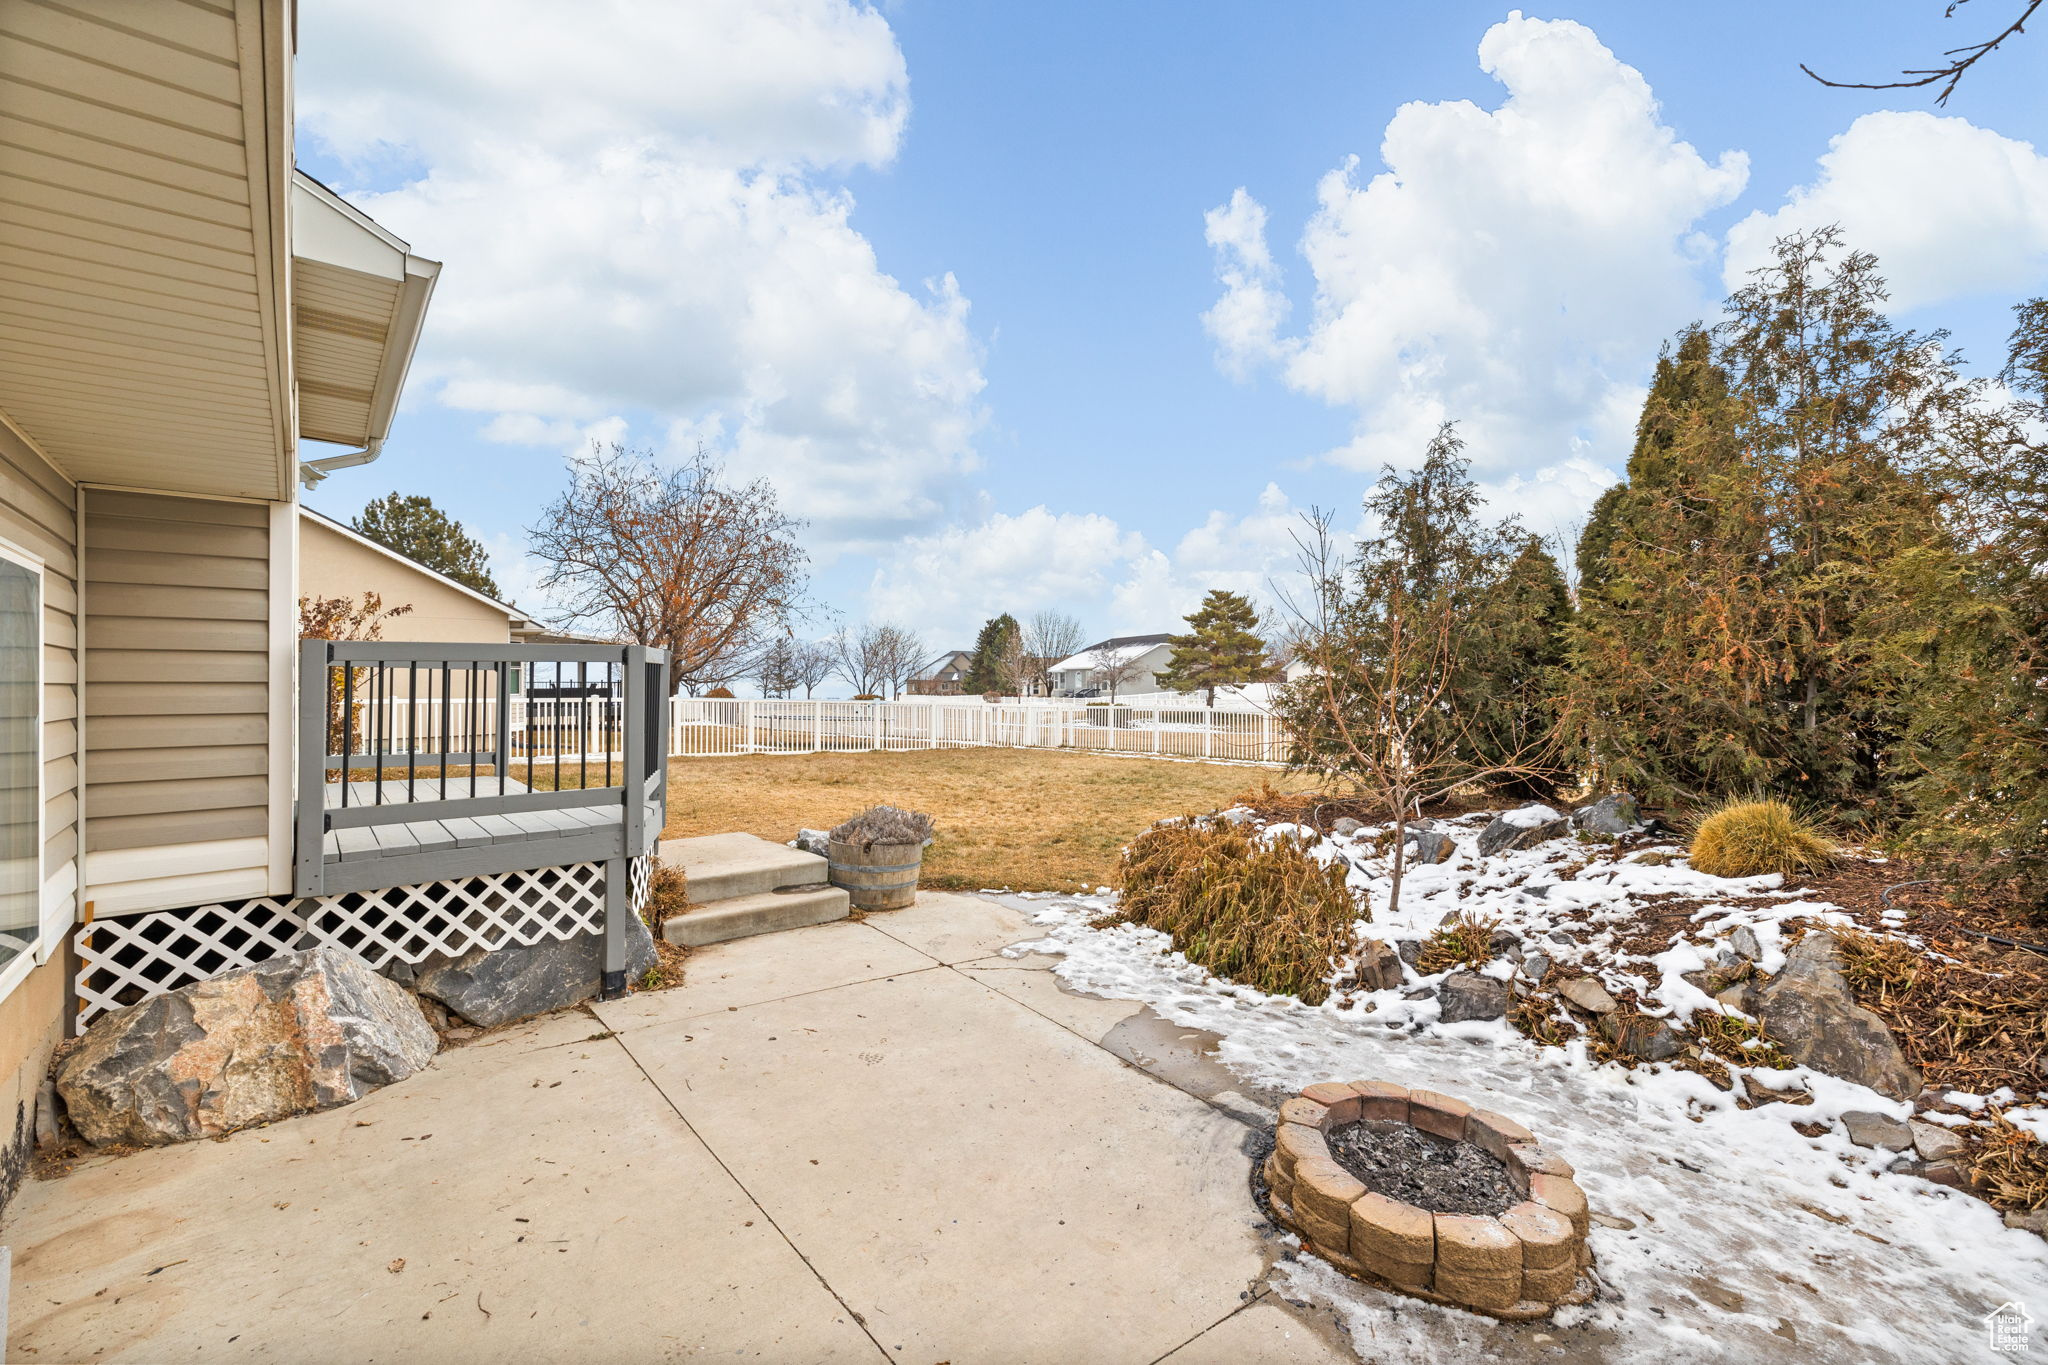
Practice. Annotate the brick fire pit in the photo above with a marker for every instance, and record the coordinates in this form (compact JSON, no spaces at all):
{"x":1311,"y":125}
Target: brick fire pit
{"x":1516,"y":1265}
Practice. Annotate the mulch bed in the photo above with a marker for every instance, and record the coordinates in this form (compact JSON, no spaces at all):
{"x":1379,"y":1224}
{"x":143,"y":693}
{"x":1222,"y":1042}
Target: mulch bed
{"x":1433,"y":1173}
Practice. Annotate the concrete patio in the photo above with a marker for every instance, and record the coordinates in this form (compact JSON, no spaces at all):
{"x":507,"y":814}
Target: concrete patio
{"x":859,"y":1141}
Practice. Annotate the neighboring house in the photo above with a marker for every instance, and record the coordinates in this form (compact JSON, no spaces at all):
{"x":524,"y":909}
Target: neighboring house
{"x":336,"y":560}
{"x":1081,"y":675}
{"x":179,"y":309}
{"x":943,"y":675}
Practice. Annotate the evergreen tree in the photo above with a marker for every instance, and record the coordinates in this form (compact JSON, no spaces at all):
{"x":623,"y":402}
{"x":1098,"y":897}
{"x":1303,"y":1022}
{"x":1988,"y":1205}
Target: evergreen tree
{"x":1514,"y":675}
{"x":992,"y":666}
{"x":1447,"y":626}
{"x":1733,"y":631}
{"x":1221,"y":650}
{"x":423,"y":533}
{"x":1974,"y":641}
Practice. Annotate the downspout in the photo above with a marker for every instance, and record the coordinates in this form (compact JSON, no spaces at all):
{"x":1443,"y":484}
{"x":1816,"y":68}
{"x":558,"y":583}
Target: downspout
{"x":312,"y":472}
{"x":81,"y":908}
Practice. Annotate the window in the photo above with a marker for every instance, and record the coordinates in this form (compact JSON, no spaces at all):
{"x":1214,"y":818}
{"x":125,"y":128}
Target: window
{"x":21,"y":761}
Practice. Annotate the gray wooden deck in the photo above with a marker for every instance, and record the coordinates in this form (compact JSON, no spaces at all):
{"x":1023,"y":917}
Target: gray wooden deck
{"x":430,"y":849}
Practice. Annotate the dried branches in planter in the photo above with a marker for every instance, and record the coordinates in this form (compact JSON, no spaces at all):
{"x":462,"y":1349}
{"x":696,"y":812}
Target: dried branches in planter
{"x":884,"y":825}
{"x":1252,"y":910}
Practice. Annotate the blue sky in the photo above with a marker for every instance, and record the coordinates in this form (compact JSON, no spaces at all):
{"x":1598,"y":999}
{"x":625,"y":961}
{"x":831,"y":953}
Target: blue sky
{"x":941,"y":270}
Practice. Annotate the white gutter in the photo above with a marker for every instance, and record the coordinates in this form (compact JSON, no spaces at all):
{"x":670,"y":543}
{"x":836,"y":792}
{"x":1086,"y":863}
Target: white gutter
{"x":312,"y":472}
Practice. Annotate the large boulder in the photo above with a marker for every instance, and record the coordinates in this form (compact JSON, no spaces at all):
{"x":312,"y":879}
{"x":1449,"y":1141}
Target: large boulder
{"x":1808,"y":1010}
{"x":1613,"y":814}
{"x":1468,"y":995}
{"x":303,"y":1031}
{"x":492,"y":986}
{"x":1524,"y":828}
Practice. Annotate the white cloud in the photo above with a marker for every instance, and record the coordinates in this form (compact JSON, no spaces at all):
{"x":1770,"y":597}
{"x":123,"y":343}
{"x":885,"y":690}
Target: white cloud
{"x":1246,"y":321}
{"x":1512,"y":268}
{"x":630,"y":201}
{"x":1113,"y":580}
{"x":1947,"y":207}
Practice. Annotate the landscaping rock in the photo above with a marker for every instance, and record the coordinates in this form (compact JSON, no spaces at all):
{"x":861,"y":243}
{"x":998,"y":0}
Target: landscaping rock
{"x":490,"y":987}
{"x":816,"y":841}
{"x":1745,"y":944}
{"x":1536,"y":966}
{"x":1615,"y":814}
{"x":1934,"y":1142}
{"x":1866,"y":1129}
{"x":1739,"y":997}
{"x":1379,"y":966}
{"x":2035,"y":1222}
{"x":300,"y":1032}
{"x":1430,"y":845}
{"x":1468,"y":995}
{"x":1503,"y":943}
{"x":1642,"y":1038}
{"x":1808,"y":1010}
{"x":1588,"y":995}
{"x":1409,"y":950}
{"x":1345,"y":826}
{"x":1524,"y":828}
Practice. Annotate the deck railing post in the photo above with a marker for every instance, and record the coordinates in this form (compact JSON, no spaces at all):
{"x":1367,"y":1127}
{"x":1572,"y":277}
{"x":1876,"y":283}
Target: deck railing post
{"x":502,"y":728}
{"x":309,"y":863}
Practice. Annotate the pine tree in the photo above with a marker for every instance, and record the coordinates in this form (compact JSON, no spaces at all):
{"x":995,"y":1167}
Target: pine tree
{"x":991,"y":668}
{"x":1221,"y":650}
{"x":423,"y":533}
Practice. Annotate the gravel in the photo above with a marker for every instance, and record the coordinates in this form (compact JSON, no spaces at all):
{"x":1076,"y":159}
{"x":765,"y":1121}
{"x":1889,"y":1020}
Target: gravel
{"x":1422,"y":1169}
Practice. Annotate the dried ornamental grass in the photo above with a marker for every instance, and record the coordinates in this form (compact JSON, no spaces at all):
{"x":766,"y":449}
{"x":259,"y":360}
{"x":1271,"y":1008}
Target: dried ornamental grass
{"x":1747,"y":838}
{"x":1466,"y":941}
{"x":884,"y":825}
{"x":1260,"y":912}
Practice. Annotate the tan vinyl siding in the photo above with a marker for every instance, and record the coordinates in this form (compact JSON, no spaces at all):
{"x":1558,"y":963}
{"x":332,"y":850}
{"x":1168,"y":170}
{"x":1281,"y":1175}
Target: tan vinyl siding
{"x":177,"y":715}
{"x":38,"y":513}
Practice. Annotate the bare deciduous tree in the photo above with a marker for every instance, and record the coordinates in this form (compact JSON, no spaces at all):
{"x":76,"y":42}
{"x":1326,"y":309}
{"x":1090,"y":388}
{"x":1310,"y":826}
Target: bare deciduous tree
{"x":675,"y":558}
{"x":899,"y":654}
{"x":877,"y":658}
{"x":1116,"y":665}
{"x":1378,"y":707}
{"x":1047,"y":638}
{"x":811,"y":663}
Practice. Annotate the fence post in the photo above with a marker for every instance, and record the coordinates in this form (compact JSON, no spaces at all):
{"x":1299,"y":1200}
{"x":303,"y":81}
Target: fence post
{"x":1208,"y":734}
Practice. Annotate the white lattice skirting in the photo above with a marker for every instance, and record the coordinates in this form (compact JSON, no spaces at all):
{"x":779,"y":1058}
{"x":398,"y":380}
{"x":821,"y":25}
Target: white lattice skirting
{"x":128,"y":959}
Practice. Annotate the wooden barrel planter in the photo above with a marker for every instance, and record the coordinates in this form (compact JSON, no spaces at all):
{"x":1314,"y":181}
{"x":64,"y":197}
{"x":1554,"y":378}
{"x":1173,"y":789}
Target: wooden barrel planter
{"x":878,"y":876}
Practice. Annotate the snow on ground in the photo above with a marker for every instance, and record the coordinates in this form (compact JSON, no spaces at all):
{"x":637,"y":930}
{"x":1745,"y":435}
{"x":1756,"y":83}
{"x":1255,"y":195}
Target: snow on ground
{"x":1743,"y":1240}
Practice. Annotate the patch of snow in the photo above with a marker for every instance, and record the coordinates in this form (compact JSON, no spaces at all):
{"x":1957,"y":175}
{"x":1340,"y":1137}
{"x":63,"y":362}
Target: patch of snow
{"x":1812,"y":1233}
{"x":1528,"y":817}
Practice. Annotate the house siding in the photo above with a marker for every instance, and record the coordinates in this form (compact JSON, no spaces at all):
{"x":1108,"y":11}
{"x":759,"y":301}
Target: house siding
{"x":178,"y":658}
{"x":38,"y":513}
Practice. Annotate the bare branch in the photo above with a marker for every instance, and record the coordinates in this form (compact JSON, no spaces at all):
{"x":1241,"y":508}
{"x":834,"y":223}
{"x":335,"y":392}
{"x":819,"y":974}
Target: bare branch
{"x":1962,"y":59}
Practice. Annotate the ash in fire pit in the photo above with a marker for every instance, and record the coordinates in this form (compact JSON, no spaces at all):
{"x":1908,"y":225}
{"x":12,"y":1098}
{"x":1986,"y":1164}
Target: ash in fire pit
{"x":1423,"y":1169}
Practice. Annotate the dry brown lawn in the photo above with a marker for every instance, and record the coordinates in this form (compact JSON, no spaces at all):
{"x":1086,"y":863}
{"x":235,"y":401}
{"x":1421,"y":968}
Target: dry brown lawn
{"x":1027,"y":819}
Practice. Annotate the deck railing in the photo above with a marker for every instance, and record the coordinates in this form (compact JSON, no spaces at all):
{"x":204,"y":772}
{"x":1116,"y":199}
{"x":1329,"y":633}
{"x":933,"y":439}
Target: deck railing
{"x":387,"y":730}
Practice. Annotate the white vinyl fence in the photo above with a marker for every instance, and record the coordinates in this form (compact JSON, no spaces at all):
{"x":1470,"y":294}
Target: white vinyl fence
{"x":710,"y":728}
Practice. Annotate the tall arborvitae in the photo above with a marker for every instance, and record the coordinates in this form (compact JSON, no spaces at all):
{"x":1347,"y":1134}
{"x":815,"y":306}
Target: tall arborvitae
{"x":1515,"y":676}
{"x":1686,"y":378}
{"x":1974,"y":643}
{"x":991,"y":667}
{"x":1734,"y":633}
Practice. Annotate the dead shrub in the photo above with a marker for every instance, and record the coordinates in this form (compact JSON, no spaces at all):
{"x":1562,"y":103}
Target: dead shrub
{"x":1748,"y":838}
{"x":1738,"y":1040}
{"x":1260,"y":912}
{"x":1466,"y":941}
{"x":668,"y":895}
{"x":2010,"y":1166}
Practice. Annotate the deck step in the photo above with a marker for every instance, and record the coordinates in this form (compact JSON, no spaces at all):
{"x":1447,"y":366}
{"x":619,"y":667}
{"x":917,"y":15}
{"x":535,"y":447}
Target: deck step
{"x":719,"y":867}
{"x":764,"y":912}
